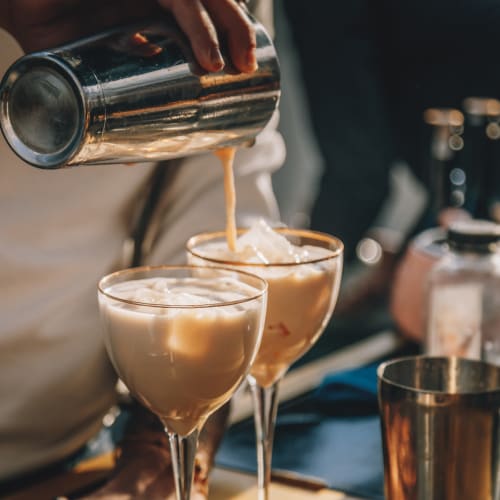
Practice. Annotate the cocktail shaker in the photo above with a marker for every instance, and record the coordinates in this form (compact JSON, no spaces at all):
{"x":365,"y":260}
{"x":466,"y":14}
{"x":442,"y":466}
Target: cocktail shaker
{"x":440,"y":421}
{"x":133,"y":93}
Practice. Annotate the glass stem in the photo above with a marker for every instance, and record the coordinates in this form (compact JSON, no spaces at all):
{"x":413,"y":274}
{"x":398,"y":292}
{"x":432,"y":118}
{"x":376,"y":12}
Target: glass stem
{"x":265,"y":400}
{"x":183,"y":451}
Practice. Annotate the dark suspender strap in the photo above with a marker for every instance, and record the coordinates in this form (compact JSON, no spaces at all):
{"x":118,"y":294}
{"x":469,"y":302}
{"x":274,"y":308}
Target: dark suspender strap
{"x":160,"y":178}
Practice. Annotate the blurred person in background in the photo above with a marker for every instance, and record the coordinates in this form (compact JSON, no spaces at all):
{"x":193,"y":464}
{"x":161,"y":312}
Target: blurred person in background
{"x":370,"y":70}
{"x":63,"y":230}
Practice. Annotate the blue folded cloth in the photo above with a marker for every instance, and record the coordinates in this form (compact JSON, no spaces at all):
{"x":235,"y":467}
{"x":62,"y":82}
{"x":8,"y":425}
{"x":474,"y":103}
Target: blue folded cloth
{"x":349,"y":391}
{"x":332,"y":434}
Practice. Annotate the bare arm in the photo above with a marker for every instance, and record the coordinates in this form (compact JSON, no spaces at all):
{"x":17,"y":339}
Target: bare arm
{"x":39,"y":24}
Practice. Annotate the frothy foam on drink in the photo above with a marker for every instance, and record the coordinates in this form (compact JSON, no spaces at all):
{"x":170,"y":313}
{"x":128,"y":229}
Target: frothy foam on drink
{"x":181,"y":293}
{"x":262,"y":245}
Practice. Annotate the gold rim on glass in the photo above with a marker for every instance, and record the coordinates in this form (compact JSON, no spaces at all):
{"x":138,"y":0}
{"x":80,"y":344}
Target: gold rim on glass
{"x":334,"y":244}
{"x":133,"y":271}
{"x":453,"y":361}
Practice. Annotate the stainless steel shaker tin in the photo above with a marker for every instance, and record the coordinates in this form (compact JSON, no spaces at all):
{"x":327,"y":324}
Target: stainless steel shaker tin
{"x":440,"y":421}
{"x":132,"y":94}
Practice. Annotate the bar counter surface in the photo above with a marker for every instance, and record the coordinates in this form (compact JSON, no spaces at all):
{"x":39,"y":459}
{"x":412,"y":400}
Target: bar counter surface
{"x":225,"y":485}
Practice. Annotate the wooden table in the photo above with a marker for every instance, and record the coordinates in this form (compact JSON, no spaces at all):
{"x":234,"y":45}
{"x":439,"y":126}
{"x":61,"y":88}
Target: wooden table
{"x":231,"y":485}
{"x":225,"y":485}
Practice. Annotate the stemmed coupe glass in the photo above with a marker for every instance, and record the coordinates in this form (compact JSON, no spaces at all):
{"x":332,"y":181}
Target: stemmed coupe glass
{"x":182,"y":339}
{"x":301,"y":298}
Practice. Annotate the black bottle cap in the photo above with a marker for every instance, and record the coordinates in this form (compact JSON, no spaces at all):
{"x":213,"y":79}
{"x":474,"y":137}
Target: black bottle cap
{"x":473,"y":234}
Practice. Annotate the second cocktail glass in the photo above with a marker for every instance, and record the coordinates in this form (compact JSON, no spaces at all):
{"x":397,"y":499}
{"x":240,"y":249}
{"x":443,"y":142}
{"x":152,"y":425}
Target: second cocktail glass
{"x":303,"y":290}
{"x":182,"y":339}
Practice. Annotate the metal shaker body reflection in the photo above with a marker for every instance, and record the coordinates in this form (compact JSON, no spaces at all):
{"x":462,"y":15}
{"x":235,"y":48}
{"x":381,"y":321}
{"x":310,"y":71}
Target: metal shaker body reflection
{"x":440,"y":419}
{"x":130,"y":94}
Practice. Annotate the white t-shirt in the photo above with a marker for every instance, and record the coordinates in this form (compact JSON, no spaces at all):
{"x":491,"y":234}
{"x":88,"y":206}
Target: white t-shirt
{"x":60,"y":232}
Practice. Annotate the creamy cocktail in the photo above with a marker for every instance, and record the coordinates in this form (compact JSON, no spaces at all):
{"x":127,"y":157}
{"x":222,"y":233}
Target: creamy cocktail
{"x":303,"y":271}
{"x":182,"y":339}
{"x":303,"y":286}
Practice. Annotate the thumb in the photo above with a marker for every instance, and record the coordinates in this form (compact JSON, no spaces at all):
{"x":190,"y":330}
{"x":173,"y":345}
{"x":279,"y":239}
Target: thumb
{"x":449,"y":215}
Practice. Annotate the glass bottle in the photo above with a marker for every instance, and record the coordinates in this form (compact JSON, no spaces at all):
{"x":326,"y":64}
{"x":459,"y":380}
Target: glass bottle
{"x":463,"y":294}
{"x":446,"y":178}
{"x":482,"y":156}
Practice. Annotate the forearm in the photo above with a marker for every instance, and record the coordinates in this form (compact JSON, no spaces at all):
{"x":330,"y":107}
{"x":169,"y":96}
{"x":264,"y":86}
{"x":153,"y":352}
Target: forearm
{"x":39,"y":24}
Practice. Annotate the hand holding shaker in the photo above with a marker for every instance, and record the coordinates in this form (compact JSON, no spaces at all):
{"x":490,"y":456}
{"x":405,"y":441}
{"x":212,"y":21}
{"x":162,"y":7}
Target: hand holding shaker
{"x":129,"y":94}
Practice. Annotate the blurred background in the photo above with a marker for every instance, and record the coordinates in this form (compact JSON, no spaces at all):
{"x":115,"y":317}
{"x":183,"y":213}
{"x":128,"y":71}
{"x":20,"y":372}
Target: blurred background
{"x":390,"y":116}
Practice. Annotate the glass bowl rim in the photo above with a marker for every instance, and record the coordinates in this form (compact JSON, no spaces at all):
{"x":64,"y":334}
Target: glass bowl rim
{"x":141,"y":269}
{"x":210,"y":235}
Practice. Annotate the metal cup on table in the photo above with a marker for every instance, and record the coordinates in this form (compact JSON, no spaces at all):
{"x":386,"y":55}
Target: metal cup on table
{"x":440,"y":425}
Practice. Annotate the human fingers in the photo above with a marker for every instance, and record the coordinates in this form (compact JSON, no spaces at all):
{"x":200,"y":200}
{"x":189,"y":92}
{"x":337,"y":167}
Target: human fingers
{"x":197,"y":24}
{"x":232,"y":23}
{"x":449,"y":215}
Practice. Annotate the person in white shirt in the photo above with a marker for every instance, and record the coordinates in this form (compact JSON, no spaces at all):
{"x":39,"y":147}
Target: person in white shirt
{"x":62,"y":230}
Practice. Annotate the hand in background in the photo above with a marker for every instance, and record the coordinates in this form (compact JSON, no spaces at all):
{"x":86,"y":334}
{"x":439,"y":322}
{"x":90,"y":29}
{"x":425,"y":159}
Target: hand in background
{"x":143,"y":470}
{"x":40,"y":24}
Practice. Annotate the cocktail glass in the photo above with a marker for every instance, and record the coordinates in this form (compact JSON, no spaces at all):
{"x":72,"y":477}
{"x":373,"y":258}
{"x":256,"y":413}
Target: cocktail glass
{"x":301,"y":298}
{"x":182,"y":339}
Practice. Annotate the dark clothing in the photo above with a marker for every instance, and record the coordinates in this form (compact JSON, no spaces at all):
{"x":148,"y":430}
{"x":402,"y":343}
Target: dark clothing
{"x":370,"y":69}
